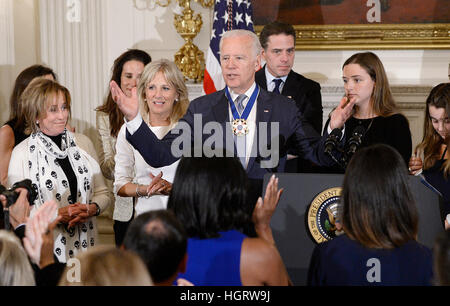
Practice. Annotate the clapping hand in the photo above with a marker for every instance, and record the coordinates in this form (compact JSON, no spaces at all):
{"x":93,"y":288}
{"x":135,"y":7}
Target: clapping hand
{"x":129,"y":106}
{"x":158,"y":185}
{"x":38,"y":240}
{"x":264,"y":210}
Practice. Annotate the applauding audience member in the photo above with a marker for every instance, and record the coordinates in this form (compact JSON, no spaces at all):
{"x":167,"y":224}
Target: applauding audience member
{"x":380,"y":221}
{"x":58,"y":168}
{"x":163,"y":100}
{"x":126,"y":72}
{"x":432,"y":157}
{"x":208,"y":198}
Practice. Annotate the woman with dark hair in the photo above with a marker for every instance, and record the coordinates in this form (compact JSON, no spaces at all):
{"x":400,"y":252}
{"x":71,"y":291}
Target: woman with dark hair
{"x":126,"y":72}
{"x":13,"y":132}
{"x":380,"y":222}
{"x":367,"y":87}
{"x":432,"y":157}
{"x":209,"y":199}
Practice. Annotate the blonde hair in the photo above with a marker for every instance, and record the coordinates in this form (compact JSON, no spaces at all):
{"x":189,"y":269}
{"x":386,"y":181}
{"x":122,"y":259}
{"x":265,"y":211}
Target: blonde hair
{"x":109,"y":266}
{"x":36,"y":98}
{"x":174,"y":77}
{"x":15,"y":269}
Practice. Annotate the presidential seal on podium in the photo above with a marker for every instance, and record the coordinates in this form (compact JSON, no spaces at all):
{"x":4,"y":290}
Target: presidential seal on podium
{"x":322,"y":214}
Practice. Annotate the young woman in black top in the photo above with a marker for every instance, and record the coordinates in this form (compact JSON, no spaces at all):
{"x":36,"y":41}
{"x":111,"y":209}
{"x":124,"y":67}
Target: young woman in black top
{"x":367,"y":87}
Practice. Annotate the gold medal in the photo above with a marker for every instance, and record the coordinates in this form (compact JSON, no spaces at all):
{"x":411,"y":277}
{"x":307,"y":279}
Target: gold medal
{"x":239,"y":127}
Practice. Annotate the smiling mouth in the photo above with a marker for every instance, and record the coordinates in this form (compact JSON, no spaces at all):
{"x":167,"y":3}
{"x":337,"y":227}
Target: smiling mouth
{"x":159,"y":103}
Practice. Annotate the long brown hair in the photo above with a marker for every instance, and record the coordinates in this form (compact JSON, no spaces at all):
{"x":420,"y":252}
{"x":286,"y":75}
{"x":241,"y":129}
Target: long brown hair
{"x":382,"y":101}
{"x":110,"y":107}
{"x":378,"y":209}
{"x":431,"y":144}
{"x":23,"y":79}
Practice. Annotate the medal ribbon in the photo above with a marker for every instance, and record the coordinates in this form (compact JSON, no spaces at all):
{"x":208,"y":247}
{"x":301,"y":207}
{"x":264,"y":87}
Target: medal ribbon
{"x":248,"y":107}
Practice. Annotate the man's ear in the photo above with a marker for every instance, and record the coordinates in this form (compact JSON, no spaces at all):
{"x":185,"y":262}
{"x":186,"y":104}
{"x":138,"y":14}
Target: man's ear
{"x":258,"y":62}
{"x":183,"y":264}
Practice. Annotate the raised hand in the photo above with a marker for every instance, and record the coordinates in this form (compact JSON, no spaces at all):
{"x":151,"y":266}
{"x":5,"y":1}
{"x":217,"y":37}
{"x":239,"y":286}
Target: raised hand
{"x":129,"y":106}
{"x":38,"y":240}
{"x":341,"y":113}
{"x":264,"y":210}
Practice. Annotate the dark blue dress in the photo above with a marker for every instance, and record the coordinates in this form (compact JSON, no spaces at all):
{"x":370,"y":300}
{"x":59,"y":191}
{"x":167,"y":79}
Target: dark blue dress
{"x":435,"y":177}
{"x":215,"y":261}
{"x":344,"y":262}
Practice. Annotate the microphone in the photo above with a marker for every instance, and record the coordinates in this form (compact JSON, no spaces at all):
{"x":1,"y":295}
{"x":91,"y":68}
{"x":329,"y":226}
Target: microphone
{"x":333,"y":140}
{"x":355,"y":140}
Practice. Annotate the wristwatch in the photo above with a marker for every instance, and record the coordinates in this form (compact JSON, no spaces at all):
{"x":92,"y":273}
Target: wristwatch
{"x":97,"y":212}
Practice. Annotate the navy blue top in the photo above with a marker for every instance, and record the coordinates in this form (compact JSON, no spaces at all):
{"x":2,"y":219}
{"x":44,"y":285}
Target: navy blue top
{"x":344,"y":262}
{"x":215,"y":261}
{"x":436,"y":178}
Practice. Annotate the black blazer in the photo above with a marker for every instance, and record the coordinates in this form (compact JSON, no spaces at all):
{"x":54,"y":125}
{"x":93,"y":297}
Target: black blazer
{"x":305,"y":93}
{"x":213,"y":109}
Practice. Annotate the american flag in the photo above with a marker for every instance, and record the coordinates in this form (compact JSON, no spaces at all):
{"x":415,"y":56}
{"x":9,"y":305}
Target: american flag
{"x":228,"y":15}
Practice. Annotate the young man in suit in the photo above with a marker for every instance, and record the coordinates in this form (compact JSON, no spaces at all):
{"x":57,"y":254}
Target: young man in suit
{"x":278,"y":42}
{"x":240,"y":59}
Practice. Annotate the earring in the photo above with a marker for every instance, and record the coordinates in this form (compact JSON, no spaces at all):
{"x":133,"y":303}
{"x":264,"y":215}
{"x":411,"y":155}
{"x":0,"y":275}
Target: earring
{"x":37,"y":122}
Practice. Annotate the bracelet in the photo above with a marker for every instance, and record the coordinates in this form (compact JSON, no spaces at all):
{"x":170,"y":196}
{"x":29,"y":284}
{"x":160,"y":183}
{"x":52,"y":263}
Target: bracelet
{"x":137,"y":192}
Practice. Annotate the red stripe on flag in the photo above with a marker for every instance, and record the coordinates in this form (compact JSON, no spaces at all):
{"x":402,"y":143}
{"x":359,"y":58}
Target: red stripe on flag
{"x":208,"y":83}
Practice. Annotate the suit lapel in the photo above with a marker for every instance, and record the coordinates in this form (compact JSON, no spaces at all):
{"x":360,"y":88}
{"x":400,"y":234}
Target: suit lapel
{"x":260,"y":78}
{"x":263,"y":114}
{"x":222,"y":115}
{"x":289,"y":87}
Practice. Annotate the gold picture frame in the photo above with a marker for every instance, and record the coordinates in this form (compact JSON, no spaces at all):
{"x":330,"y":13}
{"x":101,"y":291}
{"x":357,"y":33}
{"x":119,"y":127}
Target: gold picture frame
{"x":371,"y":36}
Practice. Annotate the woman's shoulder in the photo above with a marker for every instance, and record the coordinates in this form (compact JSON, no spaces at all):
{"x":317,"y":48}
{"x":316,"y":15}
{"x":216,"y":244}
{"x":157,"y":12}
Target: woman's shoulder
{"x":397,"y":118}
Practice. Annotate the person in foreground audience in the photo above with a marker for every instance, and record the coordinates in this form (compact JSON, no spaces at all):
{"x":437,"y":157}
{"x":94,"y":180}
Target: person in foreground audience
{"x":367,"y":86}
{"x":161,"y":242}
{"x":58,"y":168}
{"x":208,"y":198}
{"x":431,"y":157}
{"x":441,"y":254}
{"x":126,"y":72}
{"x":380,"y":222}
{"x":15,"y":269}
{"x":107,"y":266}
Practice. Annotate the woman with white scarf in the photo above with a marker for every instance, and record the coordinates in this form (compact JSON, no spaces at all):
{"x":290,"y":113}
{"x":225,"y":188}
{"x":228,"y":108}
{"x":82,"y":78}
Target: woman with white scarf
{"x":58,"y":168}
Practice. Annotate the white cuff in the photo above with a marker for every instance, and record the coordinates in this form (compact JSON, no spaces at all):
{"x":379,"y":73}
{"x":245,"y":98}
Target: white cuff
{"x":329,"y":131}
{"x":133,"y":125}
{"x":448,"y":218}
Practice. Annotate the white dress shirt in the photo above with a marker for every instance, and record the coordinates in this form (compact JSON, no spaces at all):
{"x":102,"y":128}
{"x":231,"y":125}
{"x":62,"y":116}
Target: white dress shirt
{"x":130,"y":161}
{"x":270,"y":83}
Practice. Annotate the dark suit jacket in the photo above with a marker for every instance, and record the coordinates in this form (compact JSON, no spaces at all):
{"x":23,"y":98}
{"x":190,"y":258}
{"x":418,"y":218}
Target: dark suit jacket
{"x":305,"y":141}
{"x":305,"y":93}
{"x":307,"y":97}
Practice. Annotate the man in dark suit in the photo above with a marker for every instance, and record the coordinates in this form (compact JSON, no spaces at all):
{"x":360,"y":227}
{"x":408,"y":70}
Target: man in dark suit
{"x":272,"y":120}
{"x":278,"y":42}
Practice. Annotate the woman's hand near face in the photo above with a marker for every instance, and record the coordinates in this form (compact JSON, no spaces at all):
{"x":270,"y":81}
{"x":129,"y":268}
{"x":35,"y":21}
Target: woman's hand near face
{"x":342,"y":113}
{"x":129,"y":106}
